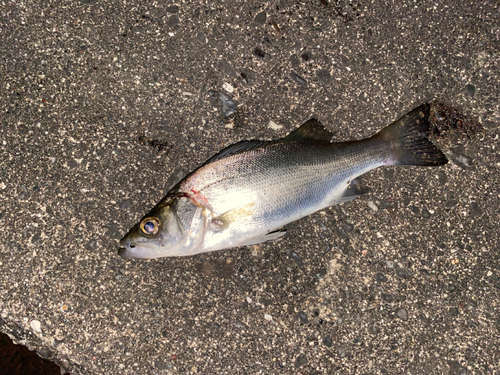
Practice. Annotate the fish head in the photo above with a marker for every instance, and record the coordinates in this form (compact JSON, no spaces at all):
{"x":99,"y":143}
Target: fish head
{"x":171,"y":229}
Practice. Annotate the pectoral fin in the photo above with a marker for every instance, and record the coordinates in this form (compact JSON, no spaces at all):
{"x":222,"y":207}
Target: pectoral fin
{"x":221,"y":222}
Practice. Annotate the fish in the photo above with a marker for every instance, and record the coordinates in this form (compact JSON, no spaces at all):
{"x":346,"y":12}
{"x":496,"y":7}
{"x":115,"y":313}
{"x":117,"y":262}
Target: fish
{"x":249,"y":191}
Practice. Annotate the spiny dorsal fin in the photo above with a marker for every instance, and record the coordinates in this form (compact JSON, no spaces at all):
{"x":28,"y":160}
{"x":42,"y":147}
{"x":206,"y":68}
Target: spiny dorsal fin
{"x":311,"y":130}
{"x":237,"y":148}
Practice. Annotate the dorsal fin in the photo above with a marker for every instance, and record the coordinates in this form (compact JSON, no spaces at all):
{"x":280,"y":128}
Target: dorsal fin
{"x":311,"y":130}
{"x":237,"y":148}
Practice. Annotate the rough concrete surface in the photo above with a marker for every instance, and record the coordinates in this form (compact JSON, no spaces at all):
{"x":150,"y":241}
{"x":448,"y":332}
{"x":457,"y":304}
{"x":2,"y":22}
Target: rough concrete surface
{"x":104,"y":105}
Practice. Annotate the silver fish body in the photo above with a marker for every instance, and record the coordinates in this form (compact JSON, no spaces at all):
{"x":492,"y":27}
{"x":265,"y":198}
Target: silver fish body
{"x":250,"y":190}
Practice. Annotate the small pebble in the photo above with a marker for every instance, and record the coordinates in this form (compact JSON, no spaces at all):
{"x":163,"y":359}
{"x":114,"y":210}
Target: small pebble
{"x":259,"y":52}
{"x":260,"y":18}
{"x":475,"y":210}
{"x":36,"y":325}
{"x":298,"y":79}
{"x":294,"y":60}
{"x":373,"y":330}
{"x":457,"y":155}
{"x":372,"y":205}
{"x":228,"y":105}
{"x":92,"y":245}
{"x":255,"y":250}
{"x":244,"y":78}
{"x":240,"y":325}
{"x":268,"y":317}
{"x":387,"y":298}
{"x":274,"y":126}
{"x":301,"y":360}
{"x":173,"y":22}
{"x":297,"y":260}
{"x":402,"y":314}
{"x":341,"y":352}
{"x":172,"y":9}
{"x":125,"y":204}
{"x":425,"y":213}
{"x":201,"y":37}
{"x":380,"y":278}
{"x":404,"y":273}
{"x":470,"y":89}
{"x":303,"y":317}
{"x":323,"y":75}
{"x":227,"y":86}
{"x":415,"y":210}
{"x":327,"y":341}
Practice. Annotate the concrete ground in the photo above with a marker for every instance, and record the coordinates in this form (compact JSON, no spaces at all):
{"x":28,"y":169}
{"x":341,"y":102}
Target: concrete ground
{"x":104,"y":105}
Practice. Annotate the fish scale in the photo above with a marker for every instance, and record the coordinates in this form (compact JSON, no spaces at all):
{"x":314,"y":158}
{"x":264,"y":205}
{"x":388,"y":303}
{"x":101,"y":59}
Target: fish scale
{"x":295,"y":182}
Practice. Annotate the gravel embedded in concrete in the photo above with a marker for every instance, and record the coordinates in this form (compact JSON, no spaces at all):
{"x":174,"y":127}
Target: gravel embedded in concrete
{"x":105,"y":105}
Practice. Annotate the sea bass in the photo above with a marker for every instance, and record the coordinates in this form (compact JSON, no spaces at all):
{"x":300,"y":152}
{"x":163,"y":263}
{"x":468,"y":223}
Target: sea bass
{"x":246,"y":193}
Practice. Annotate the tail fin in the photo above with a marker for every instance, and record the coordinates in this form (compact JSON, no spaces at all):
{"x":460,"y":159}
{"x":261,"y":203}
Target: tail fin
{"x":409,"y":138}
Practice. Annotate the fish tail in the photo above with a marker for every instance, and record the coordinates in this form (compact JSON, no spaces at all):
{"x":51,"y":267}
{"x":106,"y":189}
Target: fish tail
{"x":408,"y":137}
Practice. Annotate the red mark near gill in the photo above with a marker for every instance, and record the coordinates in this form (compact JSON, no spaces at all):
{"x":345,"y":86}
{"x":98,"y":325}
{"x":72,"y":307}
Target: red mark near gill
{"x":196,"y":197}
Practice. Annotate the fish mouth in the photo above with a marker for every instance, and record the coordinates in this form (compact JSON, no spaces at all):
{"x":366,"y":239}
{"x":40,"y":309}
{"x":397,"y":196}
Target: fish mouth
{"x":126,"y":249}
{"x":126,"y":252}
{"x":122,"y":252}
{"x":142,"y":251}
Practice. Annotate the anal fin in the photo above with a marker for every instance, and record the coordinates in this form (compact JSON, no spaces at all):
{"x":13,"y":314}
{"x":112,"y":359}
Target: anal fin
{"x":353,"y":190}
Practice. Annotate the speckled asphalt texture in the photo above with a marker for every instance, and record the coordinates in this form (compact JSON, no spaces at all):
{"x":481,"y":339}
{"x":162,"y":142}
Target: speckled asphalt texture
{"x":104,"y":105}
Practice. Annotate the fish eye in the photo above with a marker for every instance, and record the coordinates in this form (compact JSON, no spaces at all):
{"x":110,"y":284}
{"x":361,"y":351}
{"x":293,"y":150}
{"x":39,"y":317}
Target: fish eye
{"x":150,"y":226}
